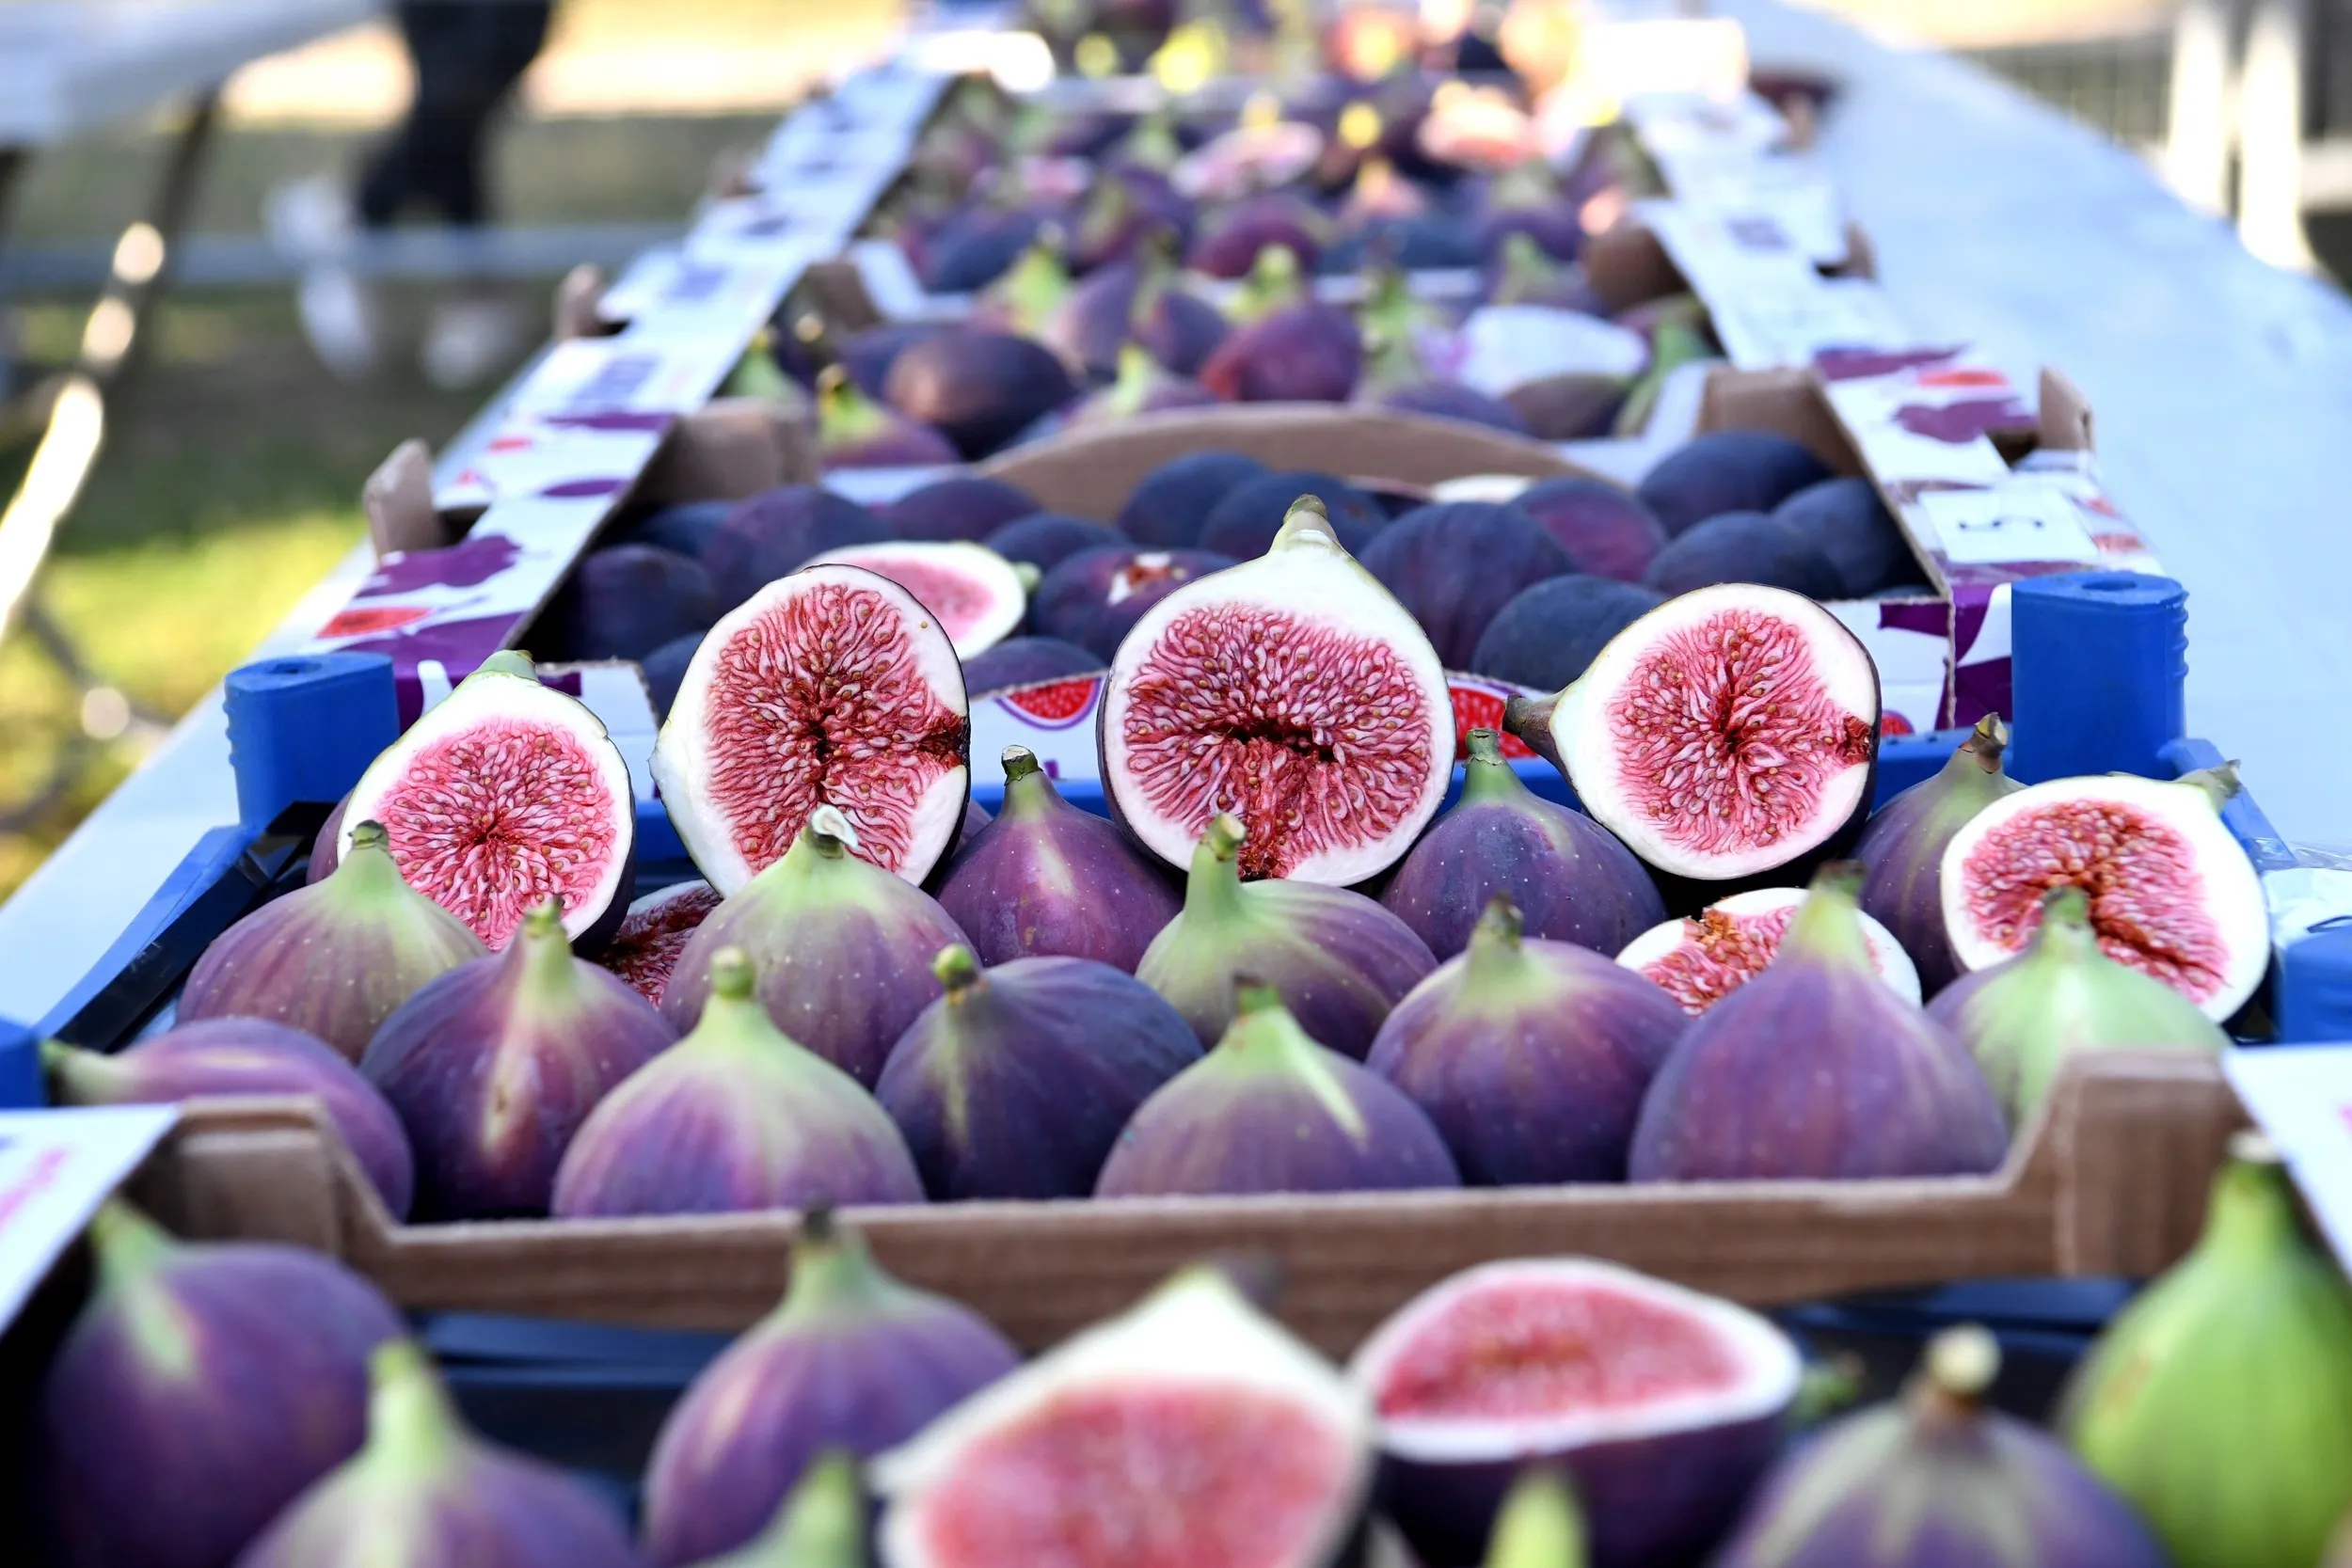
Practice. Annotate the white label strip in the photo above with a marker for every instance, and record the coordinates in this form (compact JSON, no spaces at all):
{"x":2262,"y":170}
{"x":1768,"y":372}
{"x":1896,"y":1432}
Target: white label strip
{"x":55,"y":1169}
{"x":2301,"y":1095}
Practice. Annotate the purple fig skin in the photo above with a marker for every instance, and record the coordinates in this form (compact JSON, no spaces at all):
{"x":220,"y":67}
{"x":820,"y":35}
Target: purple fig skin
{"x":1016,"y":1083}
{"x":1816,"y":1069}
{"x":1531,"y":1057}
{"x":1298,"y":353}
{"x":850,"y":1359}
{"x":1569,"y":877}
{"x":978,"y":389}
{"x":1095,"y":597}
{"x":1048,"y":879}
{"x":1903,"y":842}
{"x":1046,"y":539}
{"x":494,"y":1067}
{"x":1228,"y":247}
{"x":1026,"y":662}
{"x":779,"y":530}
{"x":245,"y":1056}
{"x":856,"y":431}
{"x":335,"y":958}
{"x":1455,"y":565}
{"x":623,"y":601}
{"x":325,"y":854}
{"x":1606,"y":531}
{"x":966,"y":506}
{"x":202,"y":1388}
{"x":1447,"y":399}
{"x":1100,"y":314}
{"x":1170,"y":505}
{"x":734,"y":1117}
{"x":1270,"y":1110}
{"x":426,"y":1493}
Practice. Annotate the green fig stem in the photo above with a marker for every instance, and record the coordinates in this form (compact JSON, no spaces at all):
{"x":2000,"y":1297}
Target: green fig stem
{"x":1255,"y":996}
{"x":1305,"y":526}
{"x":366,"y":869}
{"x":1962,"y":1363}
{"x":79,"y":1077}
{"x":1495,"y":955}
{"x":1828,"y":924}
{"x":731,"y":977}
{"x":2065,"y":933}
{"x":1986,"y":743}
{"x":956,"y":969}
{"x":1540,"y":1524}
{"x":829,"y":833}
{"x":1020,"y":763}
{"x":832,"y":1269}
{"x":1264,"y":1037}
{"x":508,"y":662}
{"x":822,"y":1521}
{"x":1137,"y":375}
{"x":1486,"y":778}
{"x":128,"y":1245}
{"x":1213,"y":885}
{"x":542,"y":955}
{"x":411,"y":1426}
{"x":2219,"y":782}
{"x":2252,"y":1211}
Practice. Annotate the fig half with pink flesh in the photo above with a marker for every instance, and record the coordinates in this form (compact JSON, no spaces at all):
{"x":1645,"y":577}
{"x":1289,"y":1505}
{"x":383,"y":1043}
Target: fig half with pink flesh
{"x":645,"y":950}
{"x":832,"y":686}
{"x":1702,"y":960}
{"x":973,"y":592}
{"x":2173,"y":892}
{"x":1292,"y":691}
{"x":1729,"y":732}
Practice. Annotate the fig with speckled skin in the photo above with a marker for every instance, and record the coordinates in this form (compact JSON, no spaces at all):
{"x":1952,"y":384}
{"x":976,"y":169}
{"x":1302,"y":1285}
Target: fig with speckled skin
{"x":1903,"y":844}
{"x":1455,"y":565}
{"x":964,"y":506}
{"x":1026,"y":662}
{"x":780,"y":530}
{"x":1727,"y":470}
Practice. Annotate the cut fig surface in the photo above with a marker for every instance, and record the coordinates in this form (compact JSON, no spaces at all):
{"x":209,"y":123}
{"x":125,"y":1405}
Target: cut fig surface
{"x":1700,"y":961}
{"x":973,"y":590}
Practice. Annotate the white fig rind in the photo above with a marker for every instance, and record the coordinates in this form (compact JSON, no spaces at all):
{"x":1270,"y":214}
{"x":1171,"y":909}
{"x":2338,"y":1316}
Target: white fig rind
{"x":982,"y":567}
{"x":1887,"y":956}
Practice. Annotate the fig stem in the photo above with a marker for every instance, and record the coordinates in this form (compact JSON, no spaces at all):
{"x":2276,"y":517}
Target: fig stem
{"x":1495,"y":953}
{"x":1213,"y":885}
{"x":1019,"y":762}
{"x":508,"y":662}
{"x":956,"y":969}
{"x":1265,"y":1038}
{"x":366,"y":869}
{"x":1540,"y":1524}
{"x":542,"y":955}
{"x":1986,"y":743}
{"x":1962,"y":1363}
{"x":127,"y":1244}
{"x":1486,"y":778}
{"x":731,"y":978}
{"x":80,"y":1077}
{"x":411,"y":1424}
{"x":2065,"y":929}
{"x":2220,"y":783}
{"x":1828,"y":925}
{"x":2252,"y":1211}
{"x":832,"y":1269}
{"x":828,"y":832}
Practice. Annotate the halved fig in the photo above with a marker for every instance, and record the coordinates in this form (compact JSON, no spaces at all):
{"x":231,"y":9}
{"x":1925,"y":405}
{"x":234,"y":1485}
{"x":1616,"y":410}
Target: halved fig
{"x":973,"y":591}
{"x":1729,"y":732}
{"x":831,"y":686}
{"x":2173,"y":893}
{"x":645,"y":950}
{"x":1704,"y":958}
{"x":505,"y":793}
{"x":1292,"y":691}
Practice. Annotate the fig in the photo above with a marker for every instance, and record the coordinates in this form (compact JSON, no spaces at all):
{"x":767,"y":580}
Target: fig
{"x":1727,"y":470}
{"x":1569,"y":877}
{"x":1742,"y":546}
{"x":200,"y":1388}
{"x":1026,"y":662}
{"x":323,"y":849}
{"x":1540,"y":1525}
{"x":1133,"y":302}
{"x":1141,"y":386}
{"x":964,"y":506}
{"x":1660,"y":1403}
{"x":2173,"y":893}
{"x":1935,"y":1479}
{"x":624,"y":601}
{"x":1047,"y":539}
{"x":1017,"y":1082}
{"x":1191,"y":1432}
{"x":243,"y":1057}
{"x":1230,"y":244}
{"x":821,"y":1524}
{"x":1904,"y":846}
{"x":780,"y":530}
{"x":333,"y":958}
{"x":493,"y":1067}
{"x":979,"y":389}
{"x":664,"y":669}
{"x":1046,"y":879}
{"x":1095,"y":598}
{"x":504,"y":794}
{"x":2219,"y":1400}
{"x":1292,"y":691}
{"x":832,"y":686}
{"x":971,"y":591}
{"x":869,"y":355}
{"x":1172,"y":503}
{"x":1729,"y":732}
{"x":1704,"y":957}
{"x":1246,"y":519}
{"x":856,"y":431}
{"x":1527,"y":201}
{"x":1306,"y":352}
{"x":1546,"y":635}
{"x":851,"y":1361}
{"x":980,"y":249}
{"x":1817,"y":1068}
{"x":735,"y":1116}
{"x":654,"y":932}
{"x":1847,"y":522}
{"x":685,"y":528}
{"x":1521,"y":273}
{"x":1456,"y":564}
{"x":1024,"y":297}
{"x":425,"y":1492}
{"x":1447,"y":400}
{"x":1530,"y":1056}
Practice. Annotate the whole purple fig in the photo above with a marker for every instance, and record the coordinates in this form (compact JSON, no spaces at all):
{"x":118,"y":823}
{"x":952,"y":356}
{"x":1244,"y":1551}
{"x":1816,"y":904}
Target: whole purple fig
{"x":1902,"y":845}
{"x":733,"y":1117}
{"x":494,"y":1067}
{"x":334,"y":959}
{"x":202,"y":1388}
{"x":851,"y":1359}
{"x":427,"y":1493}
{"x":1532,"y":1057}
{"x":1270,"y":1110}
{"x":1017,"y":1082}
{"x":854,"y":431}
{"x":1308,"y":353}
{"x":1818,"y":1068}
{"x":1046,"y":878}
{"x":243,"y":1057}
{"x":1568,"y":874}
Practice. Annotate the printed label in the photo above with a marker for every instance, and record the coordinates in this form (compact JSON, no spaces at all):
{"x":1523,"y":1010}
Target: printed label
{"x":55,"y":1169}
{"x":2301,"y":1096}
{"x":2012,"y":522}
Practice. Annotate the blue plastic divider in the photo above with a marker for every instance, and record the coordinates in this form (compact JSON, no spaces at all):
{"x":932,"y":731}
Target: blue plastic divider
{"x":19,"y":1068}
{"x":305,"y":729}
{"x":2099,"y":664}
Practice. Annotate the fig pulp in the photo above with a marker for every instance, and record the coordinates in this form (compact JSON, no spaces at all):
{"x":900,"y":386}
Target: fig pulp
{"x":1292,"y":691}
{"x":1190,"y":1433}
{"x":971,"y":591}
{"x":1727,"y":470}
{"x":1095,"y":598}
{"x":2173,"y":893}
{"x":1026,"y":661}
{"x":778,"y":532}
{"x":1548,"y":635}
{"x":1454,"y":565}
{"x":733,"y":1117}
{"x":1170,"y":506}
{"x":334,"y":959}
{"x":199,"y":1389}
{"x":504,"y":794}
{"x":964,"y":506}
{"x":1904,"y":846}
{"x":645,"y":950}
{"x":1938,"y":1478}
{"x":1817,"y":1068}
{"x":832,"y":687}
{"x":1567,"y":876}
{"x":1269,"y":1109}
{"x":1660,"y":1403}
{"x":427,"y":1493}
{"x":243,"y":1057}
{"x":2219,"y":1400}
{"x":820,"y":1524}
{"x":493,"y":1067}
{"x":1045,"y":878}
{"x":1340,"y":960}
{"x":1731,"y":732}
{"x":1704,"y":958}
{"x":856,"y":431}
{"x":851,"y":1360}
{"x":1531,"y":1057}
{"x":842,"y":949}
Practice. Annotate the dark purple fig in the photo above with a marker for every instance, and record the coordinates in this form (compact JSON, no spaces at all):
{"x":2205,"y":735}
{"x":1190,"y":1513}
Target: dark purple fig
{"x":851,"y":1360}
{"x":1143,"y":386}
{"x":1579,"y":406}
{"x":1742,"y":546}
{"x":1449,"y":399}
{"x":1454,"y":565}
{"x":1271,"y":1109}
{"x":980,"y":249}
{"x":1024,"y":661}
{"x":780,"y":530}
{"x":1528,"y":202}
{"x":1046,"y":878}
{"x":624,"y":601}
{"x":1244,"y":522}
{"x":856,"y":431}
{"x":1845,"y":520}
{"x":1046,"y":539}
{"x":1025,"y":296}
{"x":1563,"y":872}
{"x":868,"y":356}
{"x":1136,"y":301}
{"x":324,"y":850}
{"x":664,"y":669}
{"x":964,"y":506}
{"x":198,"y":1391}
{"x":1339,"y":960}
{"x":1727,"y":470}
{"x":1548,"y":634}
{"x":1130,"y":212}
{"x":1308,"y":353}
{"x":1522,"y":273}
{"x":1902,"y":845}
{"x":427,"y":1493}
{"x":1093,"y":598}
{"x":842,"y":949}
{"x":685,"y":527}
{"x":332,"y":959}
{"x":979,"y":389}
{"x":1228,"y":244}
{"x":1817,"y":1068}
{"x":735,"y":1116}
{"x":243,"y":1057}
{"x":1173,"y":502}
{"x":1016,"y":1083}
{"x":653,"y":933}
{"x":494,"y":1066}
{"x":1607,"y":532}
{"x":1531,"y":1057}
